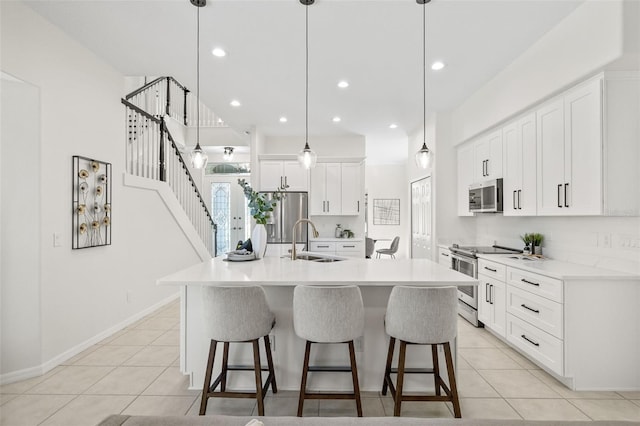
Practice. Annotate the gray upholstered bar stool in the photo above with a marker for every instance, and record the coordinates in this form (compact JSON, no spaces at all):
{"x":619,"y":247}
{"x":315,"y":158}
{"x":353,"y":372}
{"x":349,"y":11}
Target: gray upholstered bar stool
{"x":237,"y":315}
{"x":422,"y":316}
{"x":328,"y":315}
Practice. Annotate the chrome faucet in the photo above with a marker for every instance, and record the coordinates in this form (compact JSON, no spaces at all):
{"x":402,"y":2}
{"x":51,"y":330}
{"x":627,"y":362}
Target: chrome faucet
{"x":293,"y":244}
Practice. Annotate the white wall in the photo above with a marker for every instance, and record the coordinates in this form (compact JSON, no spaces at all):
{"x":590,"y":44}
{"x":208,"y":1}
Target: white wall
{"x":83,"y":293}
{"x":585,"y":41}
{"x":324,"y":146}
{"x":389,"y":181}
{"x":19,"y":226}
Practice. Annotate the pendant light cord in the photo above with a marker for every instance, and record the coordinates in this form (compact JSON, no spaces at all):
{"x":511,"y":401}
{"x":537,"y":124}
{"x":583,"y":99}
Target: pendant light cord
{"x":424,"y":73}
{"x":306,"y":105}
{"x":198,"y":80}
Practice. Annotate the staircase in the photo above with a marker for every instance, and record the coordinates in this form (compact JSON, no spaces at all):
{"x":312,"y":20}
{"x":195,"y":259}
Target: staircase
{"x":152,"y":153}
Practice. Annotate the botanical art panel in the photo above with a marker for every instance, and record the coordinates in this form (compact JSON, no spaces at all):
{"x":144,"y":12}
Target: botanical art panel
{"x":386,"y":212}
{"x":91,"y":225}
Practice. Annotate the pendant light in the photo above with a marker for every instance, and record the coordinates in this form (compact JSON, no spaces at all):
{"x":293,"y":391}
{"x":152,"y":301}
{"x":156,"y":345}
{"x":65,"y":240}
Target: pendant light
{"x":423,"y":156}
{"x":198,"y":156}
{"x":307,"y":158}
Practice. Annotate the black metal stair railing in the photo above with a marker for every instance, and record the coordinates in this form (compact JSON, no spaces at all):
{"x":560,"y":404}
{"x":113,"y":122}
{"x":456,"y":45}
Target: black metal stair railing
{"x":152,"y":153}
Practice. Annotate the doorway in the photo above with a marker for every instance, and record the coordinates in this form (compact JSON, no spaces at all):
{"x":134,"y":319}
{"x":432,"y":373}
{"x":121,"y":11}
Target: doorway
{"x":229,"y":211}
{"x":421,"y":219}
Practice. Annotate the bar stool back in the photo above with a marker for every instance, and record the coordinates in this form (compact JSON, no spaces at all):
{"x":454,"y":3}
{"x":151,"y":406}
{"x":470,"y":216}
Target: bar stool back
{"x":328,"y":315}
{"x":422,"y":316}
{"x":237,"y":315}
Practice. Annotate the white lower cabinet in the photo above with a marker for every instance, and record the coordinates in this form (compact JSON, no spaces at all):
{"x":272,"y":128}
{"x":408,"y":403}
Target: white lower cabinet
{"x":540,"y":346}
{"x":444,"y":257}
{"x":349,"y":248}
{"x":544,"y":313}
{"x":492,"y":296}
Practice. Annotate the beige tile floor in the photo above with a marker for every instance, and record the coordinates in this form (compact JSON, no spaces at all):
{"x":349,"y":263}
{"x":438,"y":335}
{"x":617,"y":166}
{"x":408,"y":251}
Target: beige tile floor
{"x":136,"y":371}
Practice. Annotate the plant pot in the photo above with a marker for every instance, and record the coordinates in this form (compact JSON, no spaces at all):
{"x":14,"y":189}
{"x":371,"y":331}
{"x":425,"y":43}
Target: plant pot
{"x":259,"y":240}
{"x":537,"y":250}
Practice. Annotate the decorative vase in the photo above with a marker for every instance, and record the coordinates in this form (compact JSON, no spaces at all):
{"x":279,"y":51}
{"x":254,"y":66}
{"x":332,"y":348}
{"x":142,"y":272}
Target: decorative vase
{"x":259,"y":240}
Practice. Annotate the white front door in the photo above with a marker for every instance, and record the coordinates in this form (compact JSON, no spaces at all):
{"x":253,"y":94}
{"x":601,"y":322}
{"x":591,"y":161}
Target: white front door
{"x":229,"y":211}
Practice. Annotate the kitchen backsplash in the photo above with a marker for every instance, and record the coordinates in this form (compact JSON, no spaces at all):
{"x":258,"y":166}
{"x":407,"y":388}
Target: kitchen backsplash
{"x":326,"y":225}
{"x":605,"y":242}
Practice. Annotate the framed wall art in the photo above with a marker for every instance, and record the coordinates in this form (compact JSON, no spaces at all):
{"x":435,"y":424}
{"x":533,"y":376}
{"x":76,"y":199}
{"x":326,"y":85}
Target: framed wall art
{"x":386,"y":211}
{"x":91,"y":223}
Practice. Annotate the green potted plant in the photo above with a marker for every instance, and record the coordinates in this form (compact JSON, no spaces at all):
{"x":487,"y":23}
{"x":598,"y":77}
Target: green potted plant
{"x":259,"y":208}
{"x":527,"y":239}
{"x":536,"y":242}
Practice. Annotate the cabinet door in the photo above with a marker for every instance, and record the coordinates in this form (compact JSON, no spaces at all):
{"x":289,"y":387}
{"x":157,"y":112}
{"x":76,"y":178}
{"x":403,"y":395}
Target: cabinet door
{"x":527,"y":204}
{"x":296,"y":176}
{"x":317,"y":190}
{"x":444,"y":257}
{"x":333,"y":185}
{"x":513,"y":169}
{"x":465,"y":178}
{"x":494,"y":160}
{"x":351,"y":188}
{"x":482,"y":152}
{"x":271,"y":177}
{"x":582,"y":188}
{"x":484,"y":303}
{"x":551,"y":161}
{"x":498,"y":303}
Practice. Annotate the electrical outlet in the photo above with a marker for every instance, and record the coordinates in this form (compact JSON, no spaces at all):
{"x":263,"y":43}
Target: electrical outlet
{"x":128,"y":296}
{"x":57,"y":242}
{"x":359,"y":344}
{"x":605,"y":240}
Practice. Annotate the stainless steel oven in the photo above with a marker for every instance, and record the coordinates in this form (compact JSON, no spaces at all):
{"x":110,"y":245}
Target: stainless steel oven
{"x":464,"y":260}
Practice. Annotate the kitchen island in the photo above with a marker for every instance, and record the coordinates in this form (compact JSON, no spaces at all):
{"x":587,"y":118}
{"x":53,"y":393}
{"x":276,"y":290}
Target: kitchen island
{"x":279,"y":276}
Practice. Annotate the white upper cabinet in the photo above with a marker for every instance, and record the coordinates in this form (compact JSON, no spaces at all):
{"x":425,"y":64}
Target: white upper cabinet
{"x":465,"y":178}
{"x":351,"y":197}
{"x":488,"y":157}
{"x":276,"y":174}
{"x":570,"y":153}
{"x":336,"y":189}
{"x":519,"y":139}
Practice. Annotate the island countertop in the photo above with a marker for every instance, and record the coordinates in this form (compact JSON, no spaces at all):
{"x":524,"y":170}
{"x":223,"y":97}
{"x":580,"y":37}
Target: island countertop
{"x":275,"y":271}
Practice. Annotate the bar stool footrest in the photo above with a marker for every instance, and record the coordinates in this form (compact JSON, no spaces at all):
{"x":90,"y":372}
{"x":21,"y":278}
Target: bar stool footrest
{"x":329,"y":395}
{"x":330,"y":369}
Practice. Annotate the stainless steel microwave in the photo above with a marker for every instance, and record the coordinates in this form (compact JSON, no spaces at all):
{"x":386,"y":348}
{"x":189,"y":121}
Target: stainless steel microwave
{"x":486,"y":197}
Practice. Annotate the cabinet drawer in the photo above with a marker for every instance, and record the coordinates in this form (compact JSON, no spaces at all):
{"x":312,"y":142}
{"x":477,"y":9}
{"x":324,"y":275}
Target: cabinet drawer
{"x":444,"y":257}
{"x":542,"y":313}
{"x":492,"y":269}
{"x":540,"y":285}
{"x":349,"y":246}
{"x":322,"y":246}
{"x":540,"y":346}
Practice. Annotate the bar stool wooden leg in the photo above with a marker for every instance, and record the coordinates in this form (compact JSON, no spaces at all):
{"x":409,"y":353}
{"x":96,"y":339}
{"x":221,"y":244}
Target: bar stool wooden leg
{"x":354,"y":377}
{"x":272,"y":373}
{"x":225,"y":366}
{"x":436,"y":368}
{"x":398,"y":396}
{"x":452,"y":381}
{"x":303,"y":384}
{"x":207,"y":377}
{"x":387,"y":370}
{"x":258,"y":371}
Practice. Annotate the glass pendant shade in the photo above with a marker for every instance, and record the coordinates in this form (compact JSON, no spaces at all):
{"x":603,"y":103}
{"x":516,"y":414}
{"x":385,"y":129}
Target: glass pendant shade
{"x":423,"y":157}
{"x":198,"y":157}
{"x":307,"y":158}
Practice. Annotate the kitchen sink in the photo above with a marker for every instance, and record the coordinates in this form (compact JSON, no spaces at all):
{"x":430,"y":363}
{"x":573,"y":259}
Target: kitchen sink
{"x":313,"y":258}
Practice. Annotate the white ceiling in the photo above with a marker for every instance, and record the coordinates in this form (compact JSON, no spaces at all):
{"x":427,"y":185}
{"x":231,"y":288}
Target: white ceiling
{"x":373,"y":44}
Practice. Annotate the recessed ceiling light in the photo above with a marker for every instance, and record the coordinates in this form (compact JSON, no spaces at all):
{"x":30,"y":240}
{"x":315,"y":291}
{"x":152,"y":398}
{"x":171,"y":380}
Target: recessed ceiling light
{"x":437,"y":65}
{"x":283,"y":119}
{"x":235,"y":103}
{"x":337,"y":119}
{"x":218,"y":52}
{"x":343,"y":84}
{"x":393,"y":126}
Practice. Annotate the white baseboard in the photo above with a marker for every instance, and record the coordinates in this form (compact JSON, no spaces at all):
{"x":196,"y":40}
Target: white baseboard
{"x":39,"y":370}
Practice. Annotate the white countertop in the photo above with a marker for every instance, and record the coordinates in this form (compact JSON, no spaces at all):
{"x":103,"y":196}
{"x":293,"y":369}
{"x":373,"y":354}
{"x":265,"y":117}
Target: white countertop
{"x":557,"y":269}
{"x":275,"y":271}
{"x":337,"y":240}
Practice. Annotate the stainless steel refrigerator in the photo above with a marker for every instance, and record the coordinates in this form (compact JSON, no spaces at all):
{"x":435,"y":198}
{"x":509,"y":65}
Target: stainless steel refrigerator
{"x":279,"y":226}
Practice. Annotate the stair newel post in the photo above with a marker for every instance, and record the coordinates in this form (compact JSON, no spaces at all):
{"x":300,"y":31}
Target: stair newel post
{"x":163,"y":176}
{"x":185,"y":106}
